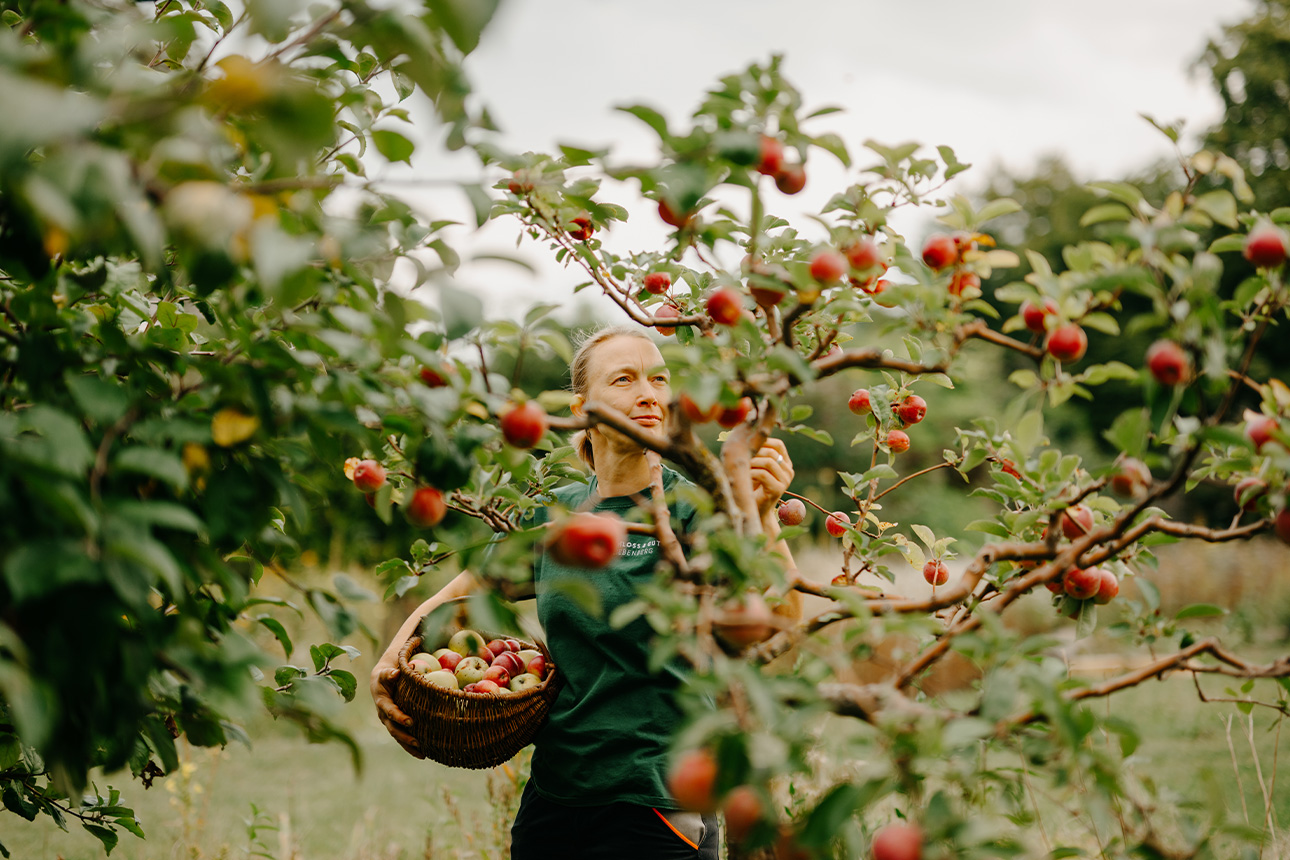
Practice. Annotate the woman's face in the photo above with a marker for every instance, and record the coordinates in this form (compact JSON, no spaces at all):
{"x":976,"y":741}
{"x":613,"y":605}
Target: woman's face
{"x":627,"y":373}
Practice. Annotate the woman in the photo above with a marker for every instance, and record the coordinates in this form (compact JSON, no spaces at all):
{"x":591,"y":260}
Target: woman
{"x":597,"y":786}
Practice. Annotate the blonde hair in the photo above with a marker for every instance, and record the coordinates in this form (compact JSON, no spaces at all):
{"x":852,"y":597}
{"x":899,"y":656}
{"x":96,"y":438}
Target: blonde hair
{"x":580,"y":376}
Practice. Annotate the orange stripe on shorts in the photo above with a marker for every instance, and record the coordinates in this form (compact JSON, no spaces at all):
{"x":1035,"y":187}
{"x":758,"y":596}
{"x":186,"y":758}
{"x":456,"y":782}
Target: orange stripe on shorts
{"x":671,"y":827}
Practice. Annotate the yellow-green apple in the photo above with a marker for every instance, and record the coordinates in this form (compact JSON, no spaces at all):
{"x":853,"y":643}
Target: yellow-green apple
{"x":468,"y":643}
{"x":443,"y":678}
{"x":523,"y":682}
{"x":470,"y":670}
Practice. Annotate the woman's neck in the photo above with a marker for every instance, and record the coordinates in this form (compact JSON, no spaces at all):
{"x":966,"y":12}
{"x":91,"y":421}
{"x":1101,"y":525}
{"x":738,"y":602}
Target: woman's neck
{"x":620,"y":473}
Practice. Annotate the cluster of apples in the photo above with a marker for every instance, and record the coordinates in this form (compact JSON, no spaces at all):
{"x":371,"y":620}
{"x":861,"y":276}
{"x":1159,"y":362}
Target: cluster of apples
{"x":470,"y":664}
{"x":424,"y":508}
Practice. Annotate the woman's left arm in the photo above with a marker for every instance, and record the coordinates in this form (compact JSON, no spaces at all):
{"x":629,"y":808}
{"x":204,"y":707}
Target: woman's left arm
{"x":772,"y":472}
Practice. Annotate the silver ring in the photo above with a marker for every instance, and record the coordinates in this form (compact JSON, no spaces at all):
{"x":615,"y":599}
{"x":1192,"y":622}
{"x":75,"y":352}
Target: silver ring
{"x":779,"y":458}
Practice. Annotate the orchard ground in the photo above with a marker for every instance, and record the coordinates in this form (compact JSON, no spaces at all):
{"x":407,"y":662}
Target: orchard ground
{"x":312,"y":806}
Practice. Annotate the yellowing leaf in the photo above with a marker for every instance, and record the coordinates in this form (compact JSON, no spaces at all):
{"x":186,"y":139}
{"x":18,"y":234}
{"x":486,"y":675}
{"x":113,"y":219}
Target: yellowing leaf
{"x":350,"y":465}
{"x":231,"y":427}
{"x":195,"y":458}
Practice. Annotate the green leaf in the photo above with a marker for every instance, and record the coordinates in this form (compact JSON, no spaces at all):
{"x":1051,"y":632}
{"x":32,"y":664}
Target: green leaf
{"x":997,"y":208}
{"x":1219,"y":205}
{"x":345,"y":681}
{"x":479,"y":200}
{"x":103,"y":834}
{"x":650,"y":117}
{"x":1200,"y":610}
{"x":462,"y":311}
{"x":394,"y":146}
{"x":989,"y":527}
{"x":1129,"y":432}
{"x":830,"y":814}
{"x":464,"y":20}
{"x":279,"y":632}
{"x":153,"y":462}
{"x":1030,"y":431}
{"x":1227,"y":244}
{"x":1150,"y":593}
{"x":98,"y":399}
{"x":1104,"y":212}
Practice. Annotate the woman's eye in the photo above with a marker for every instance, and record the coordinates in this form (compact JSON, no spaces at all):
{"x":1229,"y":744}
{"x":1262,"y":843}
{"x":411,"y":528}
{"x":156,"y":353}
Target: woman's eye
{"x":622,"y":379}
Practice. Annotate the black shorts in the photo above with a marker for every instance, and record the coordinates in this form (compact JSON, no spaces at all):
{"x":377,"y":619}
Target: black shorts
{"x":546,"y":830}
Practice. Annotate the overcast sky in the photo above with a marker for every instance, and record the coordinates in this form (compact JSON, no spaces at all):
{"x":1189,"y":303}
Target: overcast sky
{"x":1000,"y":81}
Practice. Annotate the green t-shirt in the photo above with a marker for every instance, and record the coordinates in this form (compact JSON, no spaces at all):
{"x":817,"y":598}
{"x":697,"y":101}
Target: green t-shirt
{"x":607,"y":737}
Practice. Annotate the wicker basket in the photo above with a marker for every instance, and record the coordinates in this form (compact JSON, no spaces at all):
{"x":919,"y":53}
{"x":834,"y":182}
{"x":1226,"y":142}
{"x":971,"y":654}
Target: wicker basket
{"x":473,"y":730}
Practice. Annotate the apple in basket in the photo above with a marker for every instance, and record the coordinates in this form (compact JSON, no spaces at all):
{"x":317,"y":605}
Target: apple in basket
{"x":537,"y":666}
{"x":447,"y":659}
{"x":424,"y":663}
{"x":524,"y":682}
{"x":511,"y":662}
{"x":470,"y":670}
{"x":468,"y":643}
{"x":442,"y":678}
{"x":499,"y":675}
{"x":527,"y":654}
{"x":487,"y":686}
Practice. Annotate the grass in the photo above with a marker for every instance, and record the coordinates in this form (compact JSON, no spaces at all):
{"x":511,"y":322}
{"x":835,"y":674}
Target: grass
{"x":287,"y":800}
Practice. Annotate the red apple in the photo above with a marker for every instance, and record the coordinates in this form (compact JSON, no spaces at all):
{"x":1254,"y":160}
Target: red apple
{"x":426,"y":508}
{"x":692,"y":780}
{"x":1265,"y":247}
{"x":497,"y":646}
{"x":424,"y":664}
{"x":498,"y":675}
{"x":694,"y":413}
{"x":657,"y":283}
{"x":964,"y":281}
{"x":671,"y":218}
{"x":435,"y":377}
{"x":488,"y":686}
{"x":1133,"y":478}
{"x":587,"y":540}
{"x":735,"y":415}
{"x":911,"y":410}
{"x":860,"y":402}
{"x":511,"y":662}
{"x":1034,"y":316}
{"x":537,"y":666}
{"x":666,"y":312}
{"x":898,"y":441}
{"x":1248,"y":492}
{"x":899,"y":840}
{"x":1167,"y":362}
{"x":513,"y":645}
{"x":369,"y":476}
{"x":1108,"y":587}
{"x":1282,"y":525}
{"x":939,"y":251}
{"x":862,"y":254}
{"x":828,"y":266}
{"x":725,"y":306}
{"x":772,"y":156}
{"x":1067,"y":343}
{"x":935,"y":572}
{"x":791,"y":178}
{"x":1082,"y":583}
{"x":743,"y":810}
{"x":744,"y":621}
{"x":1076,"y":521}
{"x":581,"y":229}
{"x":1258,"y":429}
{"x":448,"y":658}
{"x":792,"y":512}
{"x":524,"y":425}
{"x":836,"y":523}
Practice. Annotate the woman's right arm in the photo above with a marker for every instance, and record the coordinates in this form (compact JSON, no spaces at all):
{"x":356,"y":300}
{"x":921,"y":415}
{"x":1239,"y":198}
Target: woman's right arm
{"x":386,"y":671}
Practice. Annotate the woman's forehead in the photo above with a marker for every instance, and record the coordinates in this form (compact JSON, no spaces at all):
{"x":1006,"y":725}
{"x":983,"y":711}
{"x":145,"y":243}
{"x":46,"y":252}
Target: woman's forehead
{"x":624,"y":351}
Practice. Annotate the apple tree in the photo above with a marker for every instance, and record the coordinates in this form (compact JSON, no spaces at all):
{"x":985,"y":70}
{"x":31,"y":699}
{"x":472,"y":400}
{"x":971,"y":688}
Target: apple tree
{"x":196,"y":331}
{"x":756,"y":309}
{"x":201,"y":342}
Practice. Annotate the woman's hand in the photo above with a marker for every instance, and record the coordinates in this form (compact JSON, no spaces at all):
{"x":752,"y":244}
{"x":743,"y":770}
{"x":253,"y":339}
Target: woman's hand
{"x":384,"y":676}
{"x":772,"y":472}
